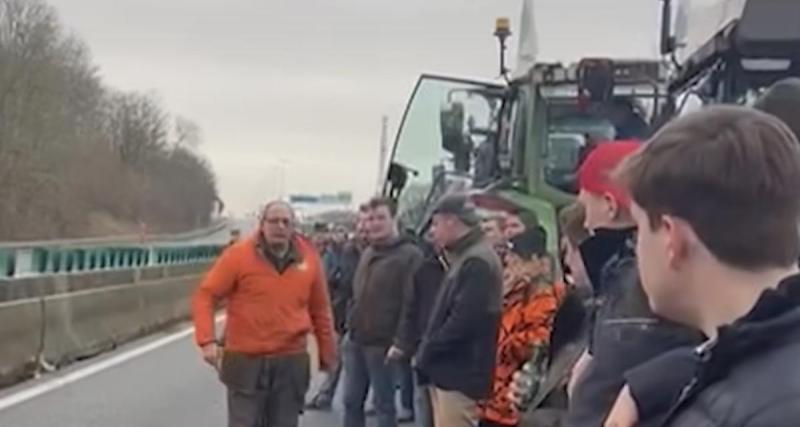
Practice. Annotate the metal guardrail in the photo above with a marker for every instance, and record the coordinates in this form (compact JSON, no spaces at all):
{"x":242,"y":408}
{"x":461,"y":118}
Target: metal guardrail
{"x":44,"y":261}
{"x":35,"y":258}
{"x":125,"y":239}
{"x":62,"y":301}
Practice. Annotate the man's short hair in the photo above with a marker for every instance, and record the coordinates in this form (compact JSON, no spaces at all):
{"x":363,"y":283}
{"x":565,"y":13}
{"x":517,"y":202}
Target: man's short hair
{"x":275,"y":203}
{"x":733,"y":173}
{"x":379,"y":202}
{"x":571,"y":219}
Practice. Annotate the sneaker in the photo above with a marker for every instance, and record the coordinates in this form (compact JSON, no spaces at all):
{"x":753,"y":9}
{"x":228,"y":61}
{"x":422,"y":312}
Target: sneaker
{"x":405,"y":416}
{"x":319,"y":404}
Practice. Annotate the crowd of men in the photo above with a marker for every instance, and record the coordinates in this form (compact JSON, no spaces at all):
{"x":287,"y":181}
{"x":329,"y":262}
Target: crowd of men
{"x":675,"y":302}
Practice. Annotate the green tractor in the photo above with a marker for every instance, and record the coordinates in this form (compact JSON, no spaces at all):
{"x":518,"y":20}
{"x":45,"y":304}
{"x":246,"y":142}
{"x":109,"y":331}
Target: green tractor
{"x":516,"y":142}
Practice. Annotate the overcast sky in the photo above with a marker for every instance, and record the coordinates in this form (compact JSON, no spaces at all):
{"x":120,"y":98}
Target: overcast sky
{"x":305,"y":83}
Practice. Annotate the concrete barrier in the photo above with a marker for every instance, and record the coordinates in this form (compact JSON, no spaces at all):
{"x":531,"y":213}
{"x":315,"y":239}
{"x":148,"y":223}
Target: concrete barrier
{"x":187,"y":269}
{"x":20,"y":339}
{"x":168,"y":300}
{"x":42,"y":286}
{"x":152,"y":273}
{"x":85,"y":281}
{"x":82,"y":324}
{"x":63,"y":324}
{"x":27,"y":288}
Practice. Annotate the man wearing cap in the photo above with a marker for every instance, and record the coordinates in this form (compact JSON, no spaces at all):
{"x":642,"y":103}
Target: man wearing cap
{"x":457,"y":354}
{"x":624,"y":332}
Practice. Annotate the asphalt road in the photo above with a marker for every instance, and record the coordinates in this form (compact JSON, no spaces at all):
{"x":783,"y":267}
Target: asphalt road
{"x":165,"y":386}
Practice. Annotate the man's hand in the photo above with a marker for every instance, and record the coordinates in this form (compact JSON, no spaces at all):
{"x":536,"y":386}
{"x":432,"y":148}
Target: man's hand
{"x":520,"y":388}
{"x":624,"y":412}
{"x":328,"y":367}
{"x":211,"y":354}
{"x":394,"y":354}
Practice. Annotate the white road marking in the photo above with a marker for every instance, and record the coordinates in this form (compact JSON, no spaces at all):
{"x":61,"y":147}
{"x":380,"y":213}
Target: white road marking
{"x":59,"y":382}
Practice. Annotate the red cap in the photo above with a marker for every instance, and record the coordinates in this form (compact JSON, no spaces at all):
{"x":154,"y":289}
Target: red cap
{"x":594,"y":175}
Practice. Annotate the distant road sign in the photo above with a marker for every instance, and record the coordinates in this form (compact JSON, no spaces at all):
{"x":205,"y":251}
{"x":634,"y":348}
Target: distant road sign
{"x":340,"y":198}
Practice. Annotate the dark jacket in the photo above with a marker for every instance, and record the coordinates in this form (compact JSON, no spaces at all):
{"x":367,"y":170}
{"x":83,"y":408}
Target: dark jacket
{"x":382,"y":279}
{"x":458,"y":349}
{"x":340,"y":282}
{"x":624,"y":332}
{"x":657,"y":384}
{"x":427,"y":283}
{"x":749,"y":376}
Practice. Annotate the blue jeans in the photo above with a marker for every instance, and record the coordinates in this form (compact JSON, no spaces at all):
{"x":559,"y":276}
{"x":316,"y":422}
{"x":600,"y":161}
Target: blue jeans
{"x":365,"y":366}
{"x":405,"y":383}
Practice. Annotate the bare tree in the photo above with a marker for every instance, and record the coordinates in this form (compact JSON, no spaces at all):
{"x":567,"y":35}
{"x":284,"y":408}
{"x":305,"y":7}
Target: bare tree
{"x":73,"y":151}
{"x":187,"y":133}
{"x":138,"y":127}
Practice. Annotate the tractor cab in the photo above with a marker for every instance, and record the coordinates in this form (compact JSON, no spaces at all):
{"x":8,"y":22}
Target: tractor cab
{"x":578,"y":106}
{"x":728,"y":51}
{"x":517,"y":143}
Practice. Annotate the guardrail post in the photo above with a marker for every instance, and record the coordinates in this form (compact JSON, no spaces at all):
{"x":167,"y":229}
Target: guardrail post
{"x":149,"y":256}
{"x":7,"y":263}
{"x":91,"y":260}
{"x":24,"y":262}
{"x":56,"y":261}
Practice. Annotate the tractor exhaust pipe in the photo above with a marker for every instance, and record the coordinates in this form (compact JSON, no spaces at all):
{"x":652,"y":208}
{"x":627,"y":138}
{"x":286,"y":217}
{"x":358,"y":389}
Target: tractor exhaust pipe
{"x":667,"y":39}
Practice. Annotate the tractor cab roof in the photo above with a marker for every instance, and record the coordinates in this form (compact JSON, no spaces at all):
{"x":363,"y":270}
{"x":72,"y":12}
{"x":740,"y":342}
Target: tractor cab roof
{"x":763,"y":44}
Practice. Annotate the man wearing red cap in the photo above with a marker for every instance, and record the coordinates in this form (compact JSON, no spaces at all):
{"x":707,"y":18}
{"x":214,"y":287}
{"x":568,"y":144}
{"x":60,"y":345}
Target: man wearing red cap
{"x":624,"y":331}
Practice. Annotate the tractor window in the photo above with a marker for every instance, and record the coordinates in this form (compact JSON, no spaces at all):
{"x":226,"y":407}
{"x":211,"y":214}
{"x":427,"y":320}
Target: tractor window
{"x":519,"y":132}
{"x":570,"y":137}
{"x":447,"y":138}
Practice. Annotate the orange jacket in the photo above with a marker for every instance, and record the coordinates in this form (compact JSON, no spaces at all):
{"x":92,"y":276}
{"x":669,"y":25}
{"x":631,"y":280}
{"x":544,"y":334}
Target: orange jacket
{"x":267,"y":313}
{"x":526,"y":322}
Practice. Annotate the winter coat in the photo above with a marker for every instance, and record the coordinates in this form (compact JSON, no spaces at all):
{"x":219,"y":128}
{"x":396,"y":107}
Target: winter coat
{"x":383,"y":279}
{"x":624,"y":332}
{"x":458,"y":350}
{"x":748,"y":376}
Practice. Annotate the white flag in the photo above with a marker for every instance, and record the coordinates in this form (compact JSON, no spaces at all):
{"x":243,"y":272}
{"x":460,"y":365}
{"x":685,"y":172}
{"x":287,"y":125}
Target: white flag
{"x":528,"y":41}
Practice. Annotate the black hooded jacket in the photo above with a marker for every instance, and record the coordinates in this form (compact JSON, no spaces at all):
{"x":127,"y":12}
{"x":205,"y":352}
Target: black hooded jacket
{"x":421,"y":301}
{"x":749,"y":376}
{"x":624,"y":332}
{"x":340,"y":283}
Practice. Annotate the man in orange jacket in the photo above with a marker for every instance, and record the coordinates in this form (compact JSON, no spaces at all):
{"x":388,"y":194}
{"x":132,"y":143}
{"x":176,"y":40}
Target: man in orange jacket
{"x":276,"y":293}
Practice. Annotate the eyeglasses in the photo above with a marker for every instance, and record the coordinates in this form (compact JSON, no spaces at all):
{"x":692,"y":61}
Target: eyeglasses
{"x":286,"y":222}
